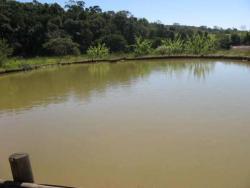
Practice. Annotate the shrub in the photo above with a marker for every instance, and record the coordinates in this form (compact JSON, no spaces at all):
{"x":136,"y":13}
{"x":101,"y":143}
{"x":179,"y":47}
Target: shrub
{"x":171,"y":47}
{"x":62,"y":46}
{"x":223,"y":41}
{"x":235,"y":39}
{"x":156,"y":42}
{"x":115,"y":42}
{"x":162,"y":50}
{"x":5,"y":51}
{"x":246,"y":39}
{"x":99,"y":51}
{"x":200,"y":44}
{"x":142,"y":47}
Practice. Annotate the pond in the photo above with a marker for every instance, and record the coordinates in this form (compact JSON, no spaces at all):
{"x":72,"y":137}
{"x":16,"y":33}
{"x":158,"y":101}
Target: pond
{"x":145,"y":124}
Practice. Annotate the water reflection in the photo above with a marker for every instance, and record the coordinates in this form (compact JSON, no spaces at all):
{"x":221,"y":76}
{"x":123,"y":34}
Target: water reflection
{"x":25,"y":90}
{"x":196,"y":69}
{"x":201,"y":70}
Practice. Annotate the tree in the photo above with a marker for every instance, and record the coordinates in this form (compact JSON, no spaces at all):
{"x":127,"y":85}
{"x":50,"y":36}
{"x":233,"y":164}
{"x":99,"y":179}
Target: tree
{"x":246,"y":39}
{"x":61,"y":46}
{"x":115,"y":42}
{"x":5,"y":51}
{"x":156,"y":42}
{"x":235,"y":39}
{"x":223,"y":41}
{"x":28,"y":26}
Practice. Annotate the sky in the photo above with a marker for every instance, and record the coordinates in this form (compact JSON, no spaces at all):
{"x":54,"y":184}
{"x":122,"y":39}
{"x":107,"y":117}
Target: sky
{"x":223,"y":13}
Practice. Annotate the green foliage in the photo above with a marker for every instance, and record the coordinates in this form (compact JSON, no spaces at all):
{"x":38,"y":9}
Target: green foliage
{"x":246,"y":39}
{"x":156,"y":42}
{"x":142,"y":47}
{"x":5,"y":51}
{"x":35,"y":29}
{"x":19,"y":62}
{"x":115,"y":42}
{"x":235,"y":39}
{"x":162,"y":50}
{"x":171,"y":47}
{"x":196,"y":44}
{"x":99,"y":51}
{"x":62,"y":46}
{"x":223,"y":41}
{"x":200,"y":44}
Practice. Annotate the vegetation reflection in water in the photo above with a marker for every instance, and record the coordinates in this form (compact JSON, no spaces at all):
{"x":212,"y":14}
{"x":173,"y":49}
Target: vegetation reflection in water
{"x":41,"y":87}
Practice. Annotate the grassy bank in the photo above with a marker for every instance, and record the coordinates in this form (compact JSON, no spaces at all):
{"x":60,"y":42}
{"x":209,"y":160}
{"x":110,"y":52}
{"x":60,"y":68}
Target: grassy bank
{"x":14,"y":64}
{"x":19,"y":63}
{"x":234,"y":52}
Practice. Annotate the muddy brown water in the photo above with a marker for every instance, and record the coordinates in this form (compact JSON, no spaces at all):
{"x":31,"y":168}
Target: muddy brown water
{"x":147,"y":124}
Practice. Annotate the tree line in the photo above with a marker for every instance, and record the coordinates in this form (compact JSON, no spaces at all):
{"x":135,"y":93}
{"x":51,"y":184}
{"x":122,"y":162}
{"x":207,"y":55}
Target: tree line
{"x":41,"y":29}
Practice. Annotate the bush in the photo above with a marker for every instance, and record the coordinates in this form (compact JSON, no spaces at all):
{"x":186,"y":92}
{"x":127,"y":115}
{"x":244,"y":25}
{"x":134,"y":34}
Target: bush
{"x":200,"y":44}
{"x":246,"y":39}
{"x":235,"y":39}
{"x":171,"y":47}
{"x":142,"y":47}
{"x":162,"y":50}
{"x":62,"y":46}
{"x":115,"y":42}
{"x":5,"y":51}
{"x":223,"y":41}
{"x":197,"y":44}
{"x":156,"y":42}
{"x":99,"y":51}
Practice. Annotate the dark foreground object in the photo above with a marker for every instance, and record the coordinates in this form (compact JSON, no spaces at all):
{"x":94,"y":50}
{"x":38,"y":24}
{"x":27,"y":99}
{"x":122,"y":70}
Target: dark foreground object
{"x":10,"y":184}
{"x":21,"y":168}
{"x":22,"y":174}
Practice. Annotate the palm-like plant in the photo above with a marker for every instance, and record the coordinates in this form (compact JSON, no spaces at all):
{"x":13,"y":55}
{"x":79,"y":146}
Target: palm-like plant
{"x":171,"y":47}
{"x":200,"y":44}
{"x":142,"y":47}
{"x":99,"y":51}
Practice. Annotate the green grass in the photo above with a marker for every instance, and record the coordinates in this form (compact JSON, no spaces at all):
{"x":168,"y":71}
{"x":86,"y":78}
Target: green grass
{"x":233,"y":52}
{"x":15,"y":63}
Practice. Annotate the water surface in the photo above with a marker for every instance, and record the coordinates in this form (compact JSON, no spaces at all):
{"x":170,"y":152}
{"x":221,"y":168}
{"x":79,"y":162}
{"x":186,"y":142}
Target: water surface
{"x":148,"y":124}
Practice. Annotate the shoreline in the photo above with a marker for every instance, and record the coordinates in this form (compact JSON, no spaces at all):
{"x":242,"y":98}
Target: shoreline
{"x":115,"y":60}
